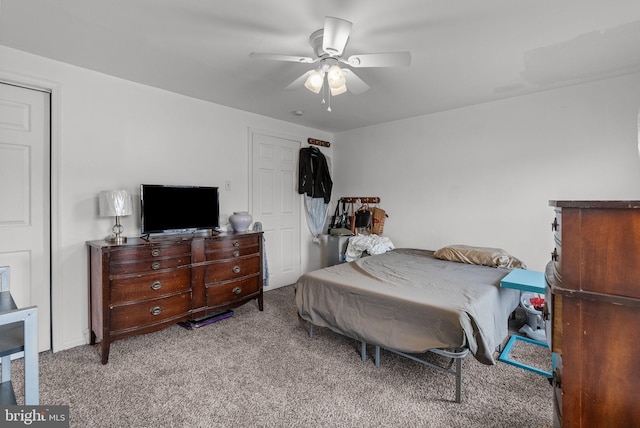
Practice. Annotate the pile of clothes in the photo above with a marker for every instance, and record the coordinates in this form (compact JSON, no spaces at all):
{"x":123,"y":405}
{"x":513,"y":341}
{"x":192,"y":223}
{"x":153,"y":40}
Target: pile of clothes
{"x":372,"y":244}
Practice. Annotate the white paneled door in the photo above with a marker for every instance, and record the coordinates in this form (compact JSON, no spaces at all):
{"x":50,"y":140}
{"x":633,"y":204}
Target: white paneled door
{"x":276,"y":204}
{"x":25,"y":201}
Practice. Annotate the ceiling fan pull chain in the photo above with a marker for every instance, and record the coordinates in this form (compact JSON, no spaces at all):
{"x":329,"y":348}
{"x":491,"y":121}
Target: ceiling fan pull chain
{"x":324,"y":90}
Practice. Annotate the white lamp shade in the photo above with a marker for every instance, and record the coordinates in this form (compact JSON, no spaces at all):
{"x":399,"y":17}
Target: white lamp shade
{"x":314,"y":81}
{"x":335,"y":76}
{"x":337,"y":81}
{"x":340,"y":90}
{"x":115,"y":203}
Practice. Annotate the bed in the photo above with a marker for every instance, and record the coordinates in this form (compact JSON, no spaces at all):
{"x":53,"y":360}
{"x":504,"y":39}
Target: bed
{"x":410,"y":302}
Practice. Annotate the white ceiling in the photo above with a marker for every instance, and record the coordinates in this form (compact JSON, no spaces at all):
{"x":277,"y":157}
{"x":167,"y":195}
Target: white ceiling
{"x":463,"y":52}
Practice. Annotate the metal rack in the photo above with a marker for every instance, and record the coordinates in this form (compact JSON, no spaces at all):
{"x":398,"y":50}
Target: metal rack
{"x":318,"y":142}
{"x":361,"y":199}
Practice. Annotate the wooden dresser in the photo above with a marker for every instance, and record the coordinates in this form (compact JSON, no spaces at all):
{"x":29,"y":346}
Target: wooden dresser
{"x":594,"y":278}
{"x":146,"y":285}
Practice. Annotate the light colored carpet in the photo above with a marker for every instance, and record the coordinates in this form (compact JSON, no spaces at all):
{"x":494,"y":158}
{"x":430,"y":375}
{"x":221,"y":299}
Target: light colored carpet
{"x":262,"y":369}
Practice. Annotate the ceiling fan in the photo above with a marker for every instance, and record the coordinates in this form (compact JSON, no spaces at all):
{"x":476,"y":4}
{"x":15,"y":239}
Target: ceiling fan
{"x":328,"y":45}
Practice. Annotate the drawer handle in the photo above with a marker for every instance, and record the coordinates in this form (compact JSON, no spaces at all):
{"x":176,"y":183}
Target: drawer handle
{"x":236,"y":269}
{"x":237,"y":290}
{"x":555,"y":224}
{"x":546,"y":315}
{"x":236,"y":244}
{"x":156,"y":310}
{"x":236,"y":253}
{"x":554,"y":255}
{"x":157,"y":285}
{"x":155,"y":265}
{"x":155,"y":252}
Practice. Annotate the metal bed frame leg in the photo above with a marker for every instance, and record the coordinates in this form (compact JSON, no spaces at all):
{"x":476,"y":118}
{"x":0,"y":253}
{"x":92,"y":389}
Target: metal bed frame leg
{"x":363,"y":348}
{"x":458,"y":380}
{"x":455,"y":357}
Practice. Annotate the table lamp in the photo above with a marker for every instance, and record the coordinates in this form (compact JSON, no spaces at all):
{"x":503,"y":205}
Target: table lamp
{"x":116,"y":203}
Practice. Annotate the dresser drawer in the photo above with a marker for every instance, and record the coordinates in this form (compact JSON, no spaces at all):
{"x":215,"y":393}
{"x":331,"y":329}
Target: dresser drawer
{"x":135,"y":266}
{"x":150,"y":252}
{"x":556,"y":254}
{"x":232,"y":248}
{"x":232,"y":269}
{"x":150,"y":286}
{"x":221,"y":294}
{"x":149,"y":312}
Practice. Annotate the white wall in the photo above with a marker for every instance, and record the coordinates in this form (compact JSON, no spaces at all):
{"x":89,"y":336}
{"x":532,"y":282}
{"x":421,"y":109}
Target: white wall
{"x":112,"y":133}
{"x":483,"y":175}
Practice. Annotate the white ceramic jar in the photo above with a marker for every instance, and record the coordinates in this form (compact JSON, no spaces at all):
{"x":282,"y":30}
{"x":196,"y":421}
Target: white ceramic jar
{"x":240,"y":220}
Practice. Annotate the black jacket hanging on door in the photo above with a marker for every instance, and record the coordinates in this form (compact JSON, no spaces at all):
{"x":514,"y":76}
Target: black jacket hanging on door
{"x":314,"y":177}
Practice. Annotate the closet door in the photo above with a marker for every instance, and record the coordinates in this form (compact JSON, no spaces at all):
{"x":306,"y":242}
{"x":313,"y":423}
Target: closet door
{"x":276,"y":204}
{"x":25,"y":200}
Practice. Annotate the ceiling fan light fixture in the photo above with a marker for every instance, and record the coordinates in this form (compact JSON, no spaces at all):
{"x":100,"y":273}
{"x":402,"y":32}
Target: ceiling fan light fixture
{"x":314,"y":82}
{"x":328,"y":44}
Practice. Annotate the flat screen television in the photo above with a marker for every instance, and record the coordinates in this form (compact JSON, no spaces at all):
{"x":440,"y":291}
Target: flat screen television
{"x":177,"y":209}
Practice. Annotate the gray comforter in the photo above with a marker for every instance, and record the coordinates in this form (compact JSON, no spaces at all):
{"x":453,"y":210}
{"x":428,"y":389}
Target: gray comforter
{"x":411,"y":302}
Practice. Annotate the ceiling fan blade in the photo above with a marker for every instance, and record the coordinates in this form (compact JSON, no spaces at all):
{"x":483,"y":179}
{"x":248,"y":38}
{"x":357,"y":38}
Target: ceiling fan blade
{"x":335,"y":36}
{"x":278,"y":57}
{"x":299,"y":82}
{"x":389,"y":59}
{"x":354,"y":84}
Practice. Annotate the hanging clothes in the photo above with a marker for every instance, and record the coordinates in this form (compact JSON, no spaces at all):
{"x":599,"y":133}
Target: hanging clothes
{"x":315,"y":182}
{"x":316,"y":216}
{"x":257,"y":227}
{"x":314,"y":176}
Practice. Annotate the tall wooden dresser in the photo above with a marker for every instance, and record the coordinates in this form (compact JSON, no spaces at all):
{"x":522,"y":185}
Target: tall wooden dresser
{"x":594,"y":279}
{"x":143,"y":286}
